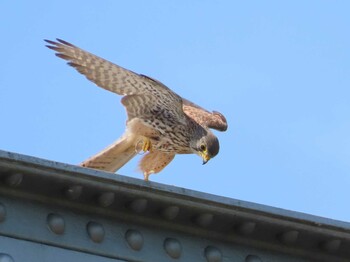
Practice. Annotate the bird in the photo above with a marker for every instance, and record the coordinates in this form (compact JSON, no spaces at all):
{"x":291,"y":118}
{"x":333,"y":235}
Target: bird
{"x":160,"y":123}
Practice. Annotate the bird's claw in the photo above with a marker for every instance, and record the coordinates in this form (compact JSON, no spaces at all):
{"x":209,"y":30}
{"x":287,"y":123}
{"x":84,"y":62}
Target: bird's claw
{"x":146,"y":145}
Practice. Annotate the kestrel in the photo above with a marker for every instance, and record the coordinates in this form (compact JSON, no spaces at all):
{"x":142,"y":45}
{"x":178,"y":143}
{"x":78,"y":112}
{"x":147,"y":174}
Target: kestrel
{"x":160,"y":122}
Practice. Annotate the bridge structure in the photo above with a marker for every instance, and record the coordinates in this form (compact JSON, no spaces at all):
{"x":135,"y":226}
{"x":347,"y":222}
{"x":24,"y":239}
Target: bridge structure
{"x":54,"y":212}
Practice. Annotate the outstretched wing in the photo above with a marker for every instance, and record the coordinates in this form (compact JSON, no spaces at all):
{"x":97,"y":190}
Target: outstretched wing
{"x":121,"y":81}
{"x":203,"y":117}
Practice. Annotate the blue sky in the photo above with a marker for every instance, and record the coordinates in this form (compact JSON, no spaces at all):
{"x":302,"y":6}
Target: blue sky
{"x":278,"y":70}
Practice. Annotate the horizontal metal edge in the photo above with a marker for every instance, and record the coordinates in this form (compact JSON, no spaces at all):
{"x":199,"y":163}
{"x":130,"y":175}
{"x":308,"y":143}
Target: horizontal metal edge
{"x":75,"y":173}
{"x":318,"y":230}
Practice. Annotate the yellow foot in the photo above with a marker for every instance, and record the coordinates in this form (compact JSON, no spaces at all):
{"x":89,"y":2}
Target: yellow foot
{"x":147,"y":174}
{"x":146,"y":145}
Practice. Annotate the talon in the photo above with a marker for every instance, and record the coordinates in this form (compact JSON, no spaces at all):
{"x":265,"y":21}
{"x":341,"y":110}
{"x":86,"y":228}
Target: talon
{"x":146,"y":145}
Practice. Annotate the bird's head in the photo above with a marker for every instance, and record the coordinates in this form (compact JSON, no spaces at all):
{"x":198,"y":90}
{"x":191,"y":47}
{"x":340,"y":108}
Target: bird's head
{"x":207,"y":146}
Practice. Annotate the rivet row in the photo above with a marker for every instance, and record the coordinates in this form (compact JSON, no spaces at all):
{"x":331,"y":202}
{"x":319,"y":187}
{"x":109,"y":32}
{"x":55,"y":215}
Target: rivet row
{"x":134,"y":238}
{"x":96,"y":232}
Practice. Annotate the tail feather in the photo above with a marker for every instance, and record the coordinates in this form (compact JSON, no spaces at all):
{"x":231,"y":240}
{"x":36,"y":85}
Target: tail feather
{"x":114,"y":156}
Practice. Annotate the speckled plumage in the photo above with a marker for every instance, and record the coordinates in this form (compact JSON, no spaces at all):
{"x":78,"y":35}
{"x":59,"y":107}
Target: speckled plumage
{"x":156,"y":115}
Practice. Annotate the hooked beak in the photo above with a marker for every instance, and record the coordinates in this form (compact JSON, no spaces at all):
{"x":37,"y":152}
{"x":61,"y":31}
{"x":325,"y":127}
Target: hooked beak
{"x":205,"y":158}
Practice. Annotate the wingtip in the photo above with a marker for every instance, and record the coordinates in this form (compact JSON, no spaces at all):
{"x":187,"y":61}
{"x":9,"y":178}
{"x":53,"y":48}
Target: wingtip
{"x":223,"y":119}
{"x":64,"y":42}
{"x":220,"y":115}
{"x":51,"y":47}
{"x":59,"y":42}
{"x":50,"y":42}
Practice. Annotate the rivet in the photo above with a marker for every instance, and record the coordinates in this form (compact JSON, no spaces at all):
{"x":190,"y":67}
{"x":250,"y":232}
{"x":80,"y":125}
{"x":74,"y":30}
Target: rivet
{"x":170,"y":212}
{"x":134,"y":239}
{"x":252,"y":258}
{"x":204,"y":220}
{"x":138,"y":205}
{"x":96,"y":231}
{"x":2,"y":213}
{"x":246,"y":228}
{"x":56,"y":223}
{"x":213,"y":254}
{"x":106,"y":199}
{"x":331,"y":245}
{"x":173,"y":247}
{"x":73,"y":192}
{"x":14,"y":179}
{"x":5,"y":258}
{"x":289,"y":237}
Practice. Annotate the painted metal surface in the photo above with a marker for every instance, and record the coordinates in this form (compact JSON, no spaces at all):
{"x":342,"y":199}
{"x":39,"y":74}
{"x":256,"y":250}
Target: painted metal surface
{"x":50,"y":210}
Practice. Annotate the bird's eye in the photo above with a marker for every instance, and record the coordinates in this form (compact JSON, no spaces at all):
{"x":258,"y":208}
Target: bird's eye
{"x":203,"y":148}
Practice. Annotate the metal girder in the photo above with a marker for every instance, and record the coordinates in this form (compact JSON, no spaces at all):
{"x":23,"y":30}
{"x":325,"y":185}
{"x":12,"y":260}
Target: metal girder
{"x":51,"y":211}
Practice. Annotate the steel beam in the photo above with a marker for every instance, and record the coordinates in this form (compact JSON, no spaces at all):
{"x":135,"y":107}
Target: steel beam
{"x":52,"y":211}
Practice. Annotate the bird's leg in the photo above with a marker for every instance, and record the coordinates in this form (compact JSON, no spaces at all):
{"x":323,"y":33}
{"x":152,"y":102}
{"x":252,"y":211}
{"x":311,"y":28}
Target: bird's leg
{"x":154,"y":162}
{"x":147,"y":174}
